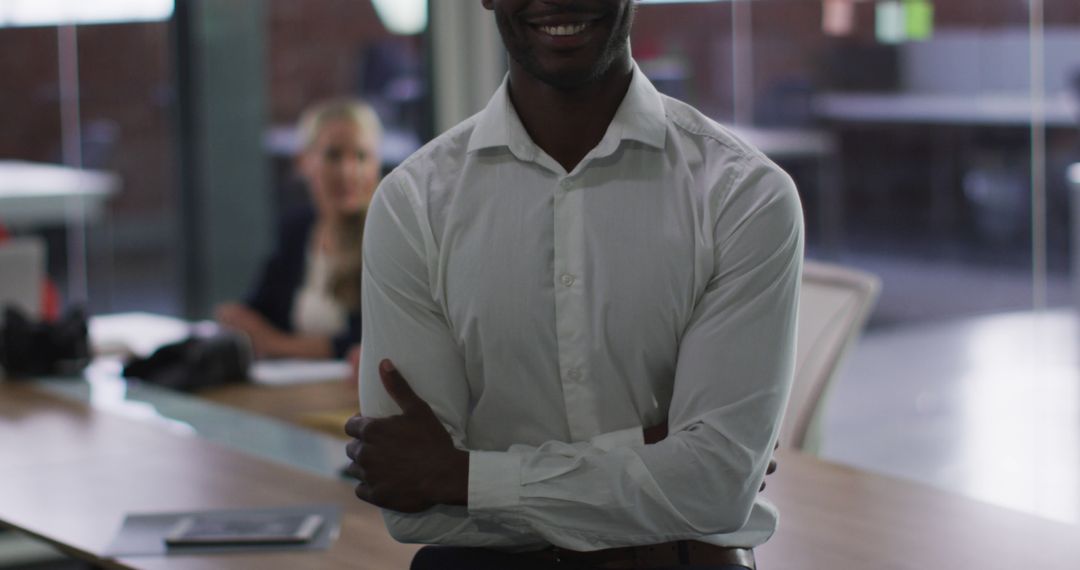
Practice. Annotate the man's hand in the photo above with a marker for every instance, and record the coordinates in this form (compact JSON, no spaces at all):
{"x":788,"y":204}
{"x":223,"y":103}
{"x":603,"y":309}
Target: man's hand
{"x":656,"y":434}
{"x":406,"y":463}
{"x":771,"y":468}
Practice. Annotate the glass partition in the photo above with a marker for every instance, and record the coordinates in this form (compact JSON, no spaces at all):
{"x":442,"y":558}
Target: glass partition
{"x":152,"y":95}
{"x":96,"y":97}
{"x":930,"y":141}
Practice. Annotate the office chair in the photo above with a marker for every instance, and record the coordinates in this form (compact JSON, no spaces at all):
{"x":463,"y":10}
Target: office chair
{"x":834,"y":304}
{"x":22,"y":271}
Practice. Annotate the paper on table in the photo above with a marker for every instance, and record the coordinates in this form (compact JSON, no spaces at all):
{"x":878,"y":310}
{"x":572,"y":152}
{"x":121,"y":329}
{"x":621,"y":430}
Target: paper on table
{"x":139,"y":334}
{"x":286,"y":371}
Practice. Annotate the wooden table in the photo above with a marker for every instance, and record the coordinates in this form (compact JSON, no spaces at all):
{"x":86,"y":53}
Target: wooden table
{"x":835,"y":517}
{"x":70,"y":473}
{"x":295,"y":404}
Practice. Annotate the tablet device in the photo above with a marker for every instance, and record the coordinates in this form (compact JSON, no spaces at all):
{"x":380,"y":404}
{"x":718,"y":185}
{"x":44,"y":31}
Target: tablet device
{"x":229,"y":529}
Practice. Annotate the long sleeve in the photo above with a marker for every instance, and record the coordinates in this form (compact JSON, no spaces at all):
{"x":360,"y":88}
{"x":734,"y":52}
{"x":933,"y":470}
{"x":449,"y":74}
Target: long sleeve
{"x":731,"y":385}
{"x":732,"y":377}
{"x":406,"y":326}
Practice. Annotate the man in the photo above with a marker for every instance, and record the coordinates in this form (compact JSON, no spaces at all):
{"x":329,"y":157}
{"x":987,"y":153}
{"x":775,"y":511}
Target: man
{"x":580,"y":307}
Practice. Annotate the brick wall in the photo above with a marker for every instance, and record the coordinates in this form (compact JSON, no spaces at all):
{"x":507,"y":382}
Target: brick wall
{"x":29,"y":98}
{"x":127,"y":91}
{"x":314,"y":50}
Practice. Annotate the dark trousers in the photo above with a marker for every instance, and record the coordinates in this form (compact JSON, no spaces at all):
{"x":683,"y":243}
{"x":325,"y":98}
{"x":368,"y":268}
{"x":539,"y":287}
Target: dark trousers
{"x":463,"y":558}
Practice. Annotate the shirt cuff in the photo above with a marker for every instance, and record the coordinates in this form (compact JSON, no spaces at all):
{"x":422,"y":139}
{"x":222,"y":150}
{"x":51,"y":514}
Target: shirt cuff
{"x":494,"y":481}
{"x":629,"y":437}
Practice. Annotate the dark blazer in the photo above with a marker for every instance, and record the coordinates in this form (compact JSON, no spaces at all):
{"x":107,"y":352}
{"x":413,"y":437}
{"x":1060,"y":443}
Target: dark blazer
{"x":283,"y":275}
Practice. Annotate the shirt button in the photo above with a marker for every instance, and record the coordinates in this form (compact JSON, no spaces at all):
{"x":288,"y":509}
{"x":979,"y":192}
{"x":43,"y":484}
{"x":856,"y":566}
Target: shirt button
{"x":573,"y":375}
{"x":566,"y":184}
{"x":567,"y":279}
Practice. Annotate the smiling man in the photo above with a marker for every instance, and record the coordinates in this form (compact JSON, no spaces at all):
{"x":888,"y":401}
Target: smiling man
{"x":580,"y":307}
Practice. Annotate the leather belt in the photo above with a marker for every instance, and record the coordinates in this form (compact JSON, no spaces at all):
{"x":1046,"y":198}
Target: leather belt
{"x":668,"y":554}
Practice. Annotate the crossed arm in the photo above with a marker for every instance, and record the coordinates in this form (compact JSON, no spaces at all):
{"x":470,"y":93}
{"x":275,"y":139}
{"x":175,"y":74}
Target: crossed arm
{"x":639,"y":485}
{"x":408,"y":462}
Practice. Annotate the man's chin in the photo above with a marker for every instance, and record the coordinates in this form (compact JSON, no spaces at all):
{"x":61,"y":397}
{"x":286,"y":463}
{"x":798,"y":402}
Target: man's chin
{"x":570,"y":73}
{"x":566,"y":78}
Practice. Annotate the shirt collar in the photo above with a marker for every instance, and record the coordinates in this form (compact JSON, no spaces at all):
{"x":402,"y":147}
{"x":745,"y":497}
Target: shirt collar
{"x":640,"y":117}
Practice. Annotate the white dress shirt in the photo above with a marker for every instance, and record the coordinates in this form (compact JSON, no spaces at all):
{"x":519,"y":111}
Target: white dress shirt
{"x":548,"y":317}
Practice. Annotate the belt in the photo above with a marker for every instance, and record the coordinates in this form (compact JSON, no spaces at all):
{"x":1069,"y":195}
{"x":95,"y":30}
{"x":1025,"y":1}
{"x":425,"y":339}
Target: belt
{"x":668,"y":554}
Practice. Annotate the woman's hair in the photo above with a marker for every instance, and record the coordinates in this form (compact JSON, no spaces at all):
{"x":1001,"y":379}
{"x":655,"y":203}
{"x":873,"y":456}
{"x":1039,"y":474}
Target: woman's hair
{"x":346,"y":264}
{"x":315,"y":117}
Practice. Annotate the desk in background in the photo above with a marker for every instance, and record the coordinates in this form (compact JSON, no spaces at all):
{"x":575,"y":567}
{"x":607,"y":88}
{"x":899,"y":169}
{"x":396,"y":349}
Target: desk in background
{"x":36,"y":194}
{"x":78,"y":469}
{"x":981,"y":110}
{"x":965,"y":133}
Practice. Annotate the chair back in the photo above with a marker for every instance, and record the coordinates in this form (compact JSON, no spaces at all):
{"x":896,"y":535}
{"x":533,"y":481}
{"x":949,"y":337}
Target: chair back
{"x":834,"y":305}
{"x":22,"y":272}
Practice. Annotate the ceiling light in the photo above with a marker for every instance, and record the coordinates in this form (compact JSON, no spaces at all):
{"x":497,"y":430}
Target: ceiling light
{"x":27,"y":13}
{"x":405,"y":17}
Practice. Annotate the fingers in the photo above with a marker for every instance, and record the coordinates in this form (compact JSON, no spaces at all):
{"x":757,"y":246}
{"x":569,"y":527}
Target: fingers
{"x":656,"y":433}
{"x":355,"y":471}
{"x":356,"y":425}
{"x":364,"y":492}
{"x":399,"y":389}
{"x":768,"y":471}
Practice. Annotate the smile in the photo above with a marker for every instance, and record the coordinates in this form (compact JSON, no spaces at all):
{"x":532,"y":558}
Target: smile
{"x":565,"y":29}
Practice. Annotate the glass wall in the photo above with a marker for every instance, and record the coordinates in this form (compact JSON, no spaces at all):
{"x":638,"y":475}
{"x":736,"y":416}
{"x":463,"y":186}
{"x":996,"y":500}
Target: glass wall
{"x":99,"y":97}
{"x":930,"y":141}
{"x":163,"y":103}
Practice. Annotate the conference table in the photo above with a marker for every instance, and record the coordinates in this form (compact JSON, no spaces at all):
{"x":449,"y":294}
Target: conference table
{"x":78,"y":455}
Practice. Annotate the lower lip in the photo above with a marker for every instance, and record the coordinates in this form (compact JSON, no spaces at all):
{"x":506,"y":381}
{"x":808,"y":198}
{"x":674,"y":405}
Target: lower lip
{"x":565,"y":42}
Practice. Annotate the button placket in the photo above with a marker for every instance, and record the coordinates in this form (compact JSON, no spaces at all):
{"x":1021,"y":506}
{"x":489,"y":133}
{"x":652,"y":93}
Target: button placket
{"x":571,"y":312}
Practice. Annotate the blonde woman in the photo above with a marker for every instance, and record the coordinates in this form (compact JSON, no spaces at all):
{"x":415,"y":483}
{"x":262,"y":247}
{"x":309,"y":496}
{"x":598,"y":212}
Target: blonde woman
{"x":306,"y":303}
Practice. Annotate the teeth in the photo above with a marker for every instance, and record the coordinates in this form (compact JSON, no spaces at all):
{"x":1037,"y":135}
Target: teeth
{"x":565,"y":30}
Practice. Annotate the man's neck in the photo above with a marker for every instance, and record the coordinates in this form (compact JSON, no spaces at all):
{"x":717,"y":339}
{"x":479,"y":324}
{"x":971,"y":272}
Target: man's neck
{"x":567,"y":124}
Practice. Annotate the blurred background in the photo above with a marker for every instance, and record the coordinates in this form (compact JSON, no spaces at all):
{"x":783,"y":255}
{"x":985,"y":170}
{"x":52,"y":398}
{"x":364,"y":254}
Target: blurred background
{"x":931,"y":141}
